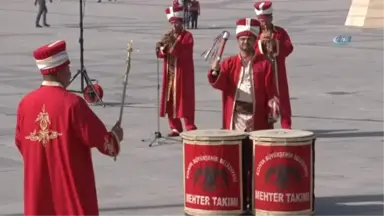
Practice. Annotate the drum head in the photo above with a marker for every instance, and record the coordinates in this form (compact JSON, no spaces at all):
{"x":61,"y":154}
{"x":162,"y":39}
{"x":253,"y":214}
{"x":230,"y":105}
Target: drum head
{"x":281,"y":134}
{"x":213,"y":135}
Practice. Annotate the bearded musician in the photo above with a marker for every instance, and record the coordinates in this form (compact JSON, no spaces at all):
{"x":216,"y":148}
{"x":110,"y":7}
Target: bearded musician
{"x":247,"y":82}
{"x":274,"y":42}
{"x":178,"y":89}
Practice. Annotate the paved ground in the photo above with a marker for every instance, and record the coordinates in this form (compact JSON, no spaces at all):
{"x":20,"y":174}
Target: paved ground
{"x":336,"y":92}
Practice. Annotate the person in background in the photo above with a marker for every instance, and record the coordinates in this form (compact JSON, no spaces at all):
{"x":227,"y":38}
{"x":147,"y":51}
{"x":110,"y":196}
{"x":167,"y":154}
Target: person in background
{"x":43,"y":10}
{"x":185,"y":5}
{"x":194,"y":10}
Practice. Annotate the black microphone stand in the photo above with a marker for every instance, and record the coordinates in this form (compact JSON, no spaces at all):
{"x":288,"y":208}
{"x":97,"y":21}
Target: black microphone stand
{"x":84,"y":78}
{"x":157,"y":134}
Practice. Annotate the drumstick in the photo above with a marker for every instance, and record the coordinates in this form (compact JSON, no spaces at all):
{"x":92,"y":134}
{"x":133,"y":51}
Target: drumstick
{"x":221,"y":49}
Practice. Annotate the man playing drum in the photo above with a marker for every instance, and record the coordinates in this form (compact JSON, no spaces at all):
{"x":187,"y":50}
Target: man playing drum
{"x":178,"y":91}
{"x":55,"y":131}
{"x":275,"y":41}
{"x":246,"y":81}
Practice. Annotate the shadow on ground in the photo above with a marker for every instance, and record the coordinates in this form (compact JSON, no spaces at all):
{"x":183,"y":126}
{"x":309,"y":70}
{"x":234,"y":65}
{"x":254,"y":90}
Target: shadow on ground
{"x":350,"y":205}
{"x":338,"y":205}
{"x":347,"y":133}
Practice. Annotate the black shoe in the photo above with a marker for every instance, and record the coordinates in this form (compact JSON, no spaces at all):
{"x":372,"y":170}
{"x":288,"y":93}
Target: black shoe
{"x":46,"y":25}
{"x":38,"y":26}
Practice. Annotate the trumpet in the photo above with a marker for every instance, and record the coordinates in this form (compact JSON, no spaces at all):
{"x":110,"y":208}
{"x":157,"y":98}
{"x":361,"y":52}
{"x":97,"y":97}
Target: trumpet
{"x":167,"y":40}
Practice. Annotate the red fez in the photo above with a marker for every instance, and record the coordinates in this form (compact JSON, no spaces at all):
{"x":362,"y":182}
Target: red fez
{"x":52,"y":57}
{"x":247,"y":27}
{"x":263,"y":8}
{"x":174,"y":13}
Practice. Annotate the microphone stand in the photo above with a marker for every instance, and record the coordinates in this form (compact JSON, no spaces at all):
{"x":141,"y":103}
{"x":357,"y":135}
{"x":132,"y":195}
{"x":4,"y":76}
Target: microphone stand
{"x":157,"y":134}
{"x":84,"y":78}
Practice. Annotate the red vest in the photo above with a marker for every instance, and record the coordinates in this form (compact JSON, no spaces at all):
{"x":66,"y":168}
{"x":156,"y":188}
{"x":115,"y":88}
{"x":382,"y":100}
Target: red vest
{"x":194,"y":6}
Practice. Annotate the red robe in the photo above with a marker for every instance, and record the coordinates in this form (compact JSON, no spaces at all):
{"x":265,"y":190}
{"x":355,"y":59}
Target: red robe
{"x":263,"y":89}
{"x":55,"y":133}
{"x":283,"y":49}
{"x":184,"y":79}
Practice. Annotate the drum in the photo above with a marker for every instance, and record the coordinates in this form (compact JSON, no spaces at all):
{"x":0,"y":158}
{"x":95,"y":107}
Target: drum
{"x":213,"y":181}
{"x":283,"y":173}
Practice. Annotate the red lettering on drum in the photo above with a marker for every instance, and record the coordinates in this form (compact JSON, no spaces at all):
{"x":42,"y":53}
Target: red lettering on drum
{"x":283,"y":178}
{"x":212,"y":177}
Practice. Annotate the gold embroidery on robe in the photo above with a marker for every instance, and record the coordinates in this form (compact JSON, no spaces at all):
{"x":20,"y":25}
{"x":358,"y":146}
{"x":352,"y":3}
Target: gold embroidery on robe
{"x":43,"y":134}
{"x":171,"y":62}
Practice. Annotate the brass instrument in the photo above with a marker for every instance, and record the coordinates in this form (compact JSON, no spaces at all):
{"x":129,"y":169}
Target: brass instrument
{"x":168,"y":39}
{"x":270,"y":52}
{"x":270,"y":45}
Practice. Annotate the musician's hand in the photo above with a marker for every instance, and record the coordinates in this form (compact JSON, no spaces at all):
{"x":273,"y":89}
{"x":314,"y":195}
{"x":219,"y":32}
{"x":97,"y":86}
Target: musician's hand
{"x":274,"y":114}
{"x":159,"y":44}
{"x":215,"y":65}
{"x":118,"y":131}
{"x":265,"y":37}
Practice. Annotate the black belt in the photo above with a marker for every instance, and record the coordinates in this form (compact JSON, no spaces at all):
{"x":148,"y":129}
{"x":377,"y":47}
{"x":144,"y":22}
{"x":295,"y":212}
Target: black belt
{"x":244,"y":107}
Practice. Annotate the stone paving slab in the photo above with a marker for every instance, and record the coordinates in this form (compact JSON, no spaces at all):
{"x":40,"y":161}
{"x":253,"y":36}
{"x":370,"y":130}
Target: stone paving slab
{"x":336,"y":92}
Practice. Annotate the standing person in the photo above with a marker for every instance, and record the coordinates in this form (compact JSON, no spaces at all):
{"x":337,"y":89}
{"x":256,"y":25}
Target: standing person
{"x":246,"y":81}
{"x":55,"y":132}
{"x":194,"y":11}
{"x":247,"y":84}
{"x":43,"y":10}
{"x":178,"y":91}
{"x":280,"y":47}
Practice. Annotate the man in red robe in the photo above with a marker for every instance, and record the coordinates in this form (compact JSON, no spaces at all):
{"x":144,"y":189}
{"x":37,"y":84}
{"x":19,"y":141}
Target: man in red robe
{"x":247,"y":84}
{"x":55,"y":132}
{"x":178,"y":91}
{"x":246,"y":81}
{"x":281,"y":47}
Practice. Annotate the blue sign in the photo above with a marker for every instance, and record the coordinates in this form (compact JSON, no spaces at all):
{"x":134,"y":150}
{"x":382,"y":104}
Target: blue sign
{"x":342,"y":40}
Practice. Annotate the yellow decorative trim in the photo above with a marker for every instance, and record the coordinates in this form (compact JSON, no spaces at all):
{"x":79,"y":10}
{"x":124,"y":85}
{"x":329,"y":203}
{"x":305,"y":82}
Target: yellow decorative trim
{"x":260,"y":45}
{"x":174,"y":44}
{"x":174,"y":90}
{"x":44,"y":134}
